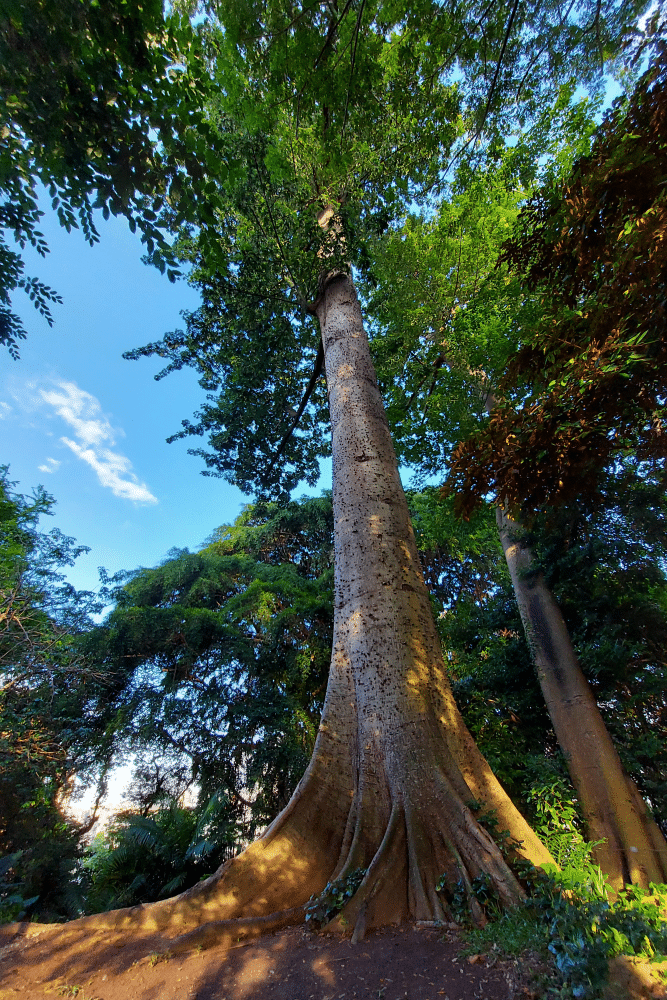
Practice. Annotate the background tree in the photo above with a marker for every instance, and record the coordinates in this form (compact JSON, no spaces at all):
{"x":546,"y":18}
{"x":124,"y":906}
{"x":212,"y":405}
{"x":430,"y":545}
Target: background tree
{"x":220,"y":660}
{"x":47,"y":723}
{"x":604,"y":566}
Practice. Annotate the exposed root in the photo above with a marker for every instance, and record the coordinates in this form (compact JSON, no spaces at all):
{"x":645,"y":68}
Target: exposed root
{"x":270,"y":881}
{"x":428,"y":832}
{"x":370,"y":905}
{"x":418,"y":845}
{"x":228,"y":933}
{"x":420,"y":869}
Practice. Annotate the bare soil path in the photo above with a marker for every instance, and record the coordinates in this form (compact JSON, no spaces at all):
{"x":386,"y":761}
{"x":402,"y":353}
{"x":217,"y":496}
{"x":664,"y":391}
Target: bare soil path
{"x":403,"y":963}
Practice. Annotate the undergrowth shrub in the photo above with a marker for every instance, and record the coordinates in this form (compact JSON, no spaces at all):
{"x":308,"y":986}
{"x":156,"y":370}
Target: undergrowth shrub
{"x":333,"y":898}
{"x":570,"y":914}
{"x":580,"y":932}
{"x":140,"y":859}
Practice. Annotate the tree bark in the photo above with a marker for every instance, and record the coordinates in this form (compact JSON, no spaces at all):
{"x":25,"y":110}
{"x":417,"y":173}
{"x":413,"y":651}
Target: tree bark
{"x":416,"y":766}
{"x":634,"y":850}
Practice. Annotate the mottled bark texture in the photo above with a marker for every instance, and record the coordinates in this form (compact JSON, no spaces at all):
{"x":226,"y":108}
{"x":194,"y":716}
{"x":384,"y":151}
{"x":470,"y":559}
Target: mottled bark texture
{"x":634,"y":850}
{"x":395,"y":772}
{"x":415,"y":766}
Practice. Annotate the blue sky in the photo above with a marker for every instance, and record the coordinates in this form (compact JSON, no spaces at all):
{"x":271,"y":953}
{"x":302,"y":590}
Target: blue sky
{"x":91,"y":427}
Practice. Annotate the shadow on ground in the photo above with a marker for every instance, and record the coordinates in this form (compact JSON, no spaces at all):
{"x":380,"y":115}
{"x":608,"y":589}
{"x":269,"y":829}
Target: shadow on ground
{"x":403,"y":963}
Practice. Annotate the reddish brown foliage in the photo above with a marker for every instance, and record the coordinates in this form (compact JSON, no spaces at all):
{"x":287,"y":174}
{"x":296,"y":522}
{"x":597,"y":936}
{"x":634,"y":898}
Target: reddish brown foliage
{"x":593,"y":378}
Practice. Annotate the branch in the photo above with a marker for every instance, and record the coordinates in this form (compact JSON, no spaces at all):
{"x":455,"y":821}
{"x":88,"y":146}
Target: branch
{"x":290,"y":24}
{"x":542,"y":50}
{"x":433,"y":369}
{"x":275,"y":229}
{"x":353,"y":60}
{"x":331,"y":32}
{"x":498,"y":64}
{"x":319,"y":361}
{"x":595,"y":26}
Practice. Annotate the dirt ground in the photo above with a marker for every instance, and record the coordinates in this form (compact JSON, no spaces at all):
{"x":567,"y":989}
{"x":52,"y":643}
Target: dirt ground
{"x":404,"y":963}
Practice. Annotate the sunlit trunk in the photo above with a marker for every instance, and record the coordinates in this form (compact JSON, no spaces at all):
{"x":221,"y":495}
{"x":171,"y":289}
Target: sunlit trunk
{"x":634,"y":849}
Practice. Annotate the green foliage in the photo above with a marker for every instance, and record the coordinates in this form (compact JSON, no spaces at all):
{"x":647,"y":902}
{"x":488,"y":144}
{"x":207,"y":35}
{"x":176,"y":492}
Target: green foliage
{"x":158,"y":956}
{"x":556,"y":818}
{"x":478,"y":891}
{"x":492,"y":673}
{"x":219,"y":660}
{"x":584,"y":933}
{"x":142,"y":858}
{"x":254,"y":342}
{"x":444,"y":313}
{"x":323,"y":908}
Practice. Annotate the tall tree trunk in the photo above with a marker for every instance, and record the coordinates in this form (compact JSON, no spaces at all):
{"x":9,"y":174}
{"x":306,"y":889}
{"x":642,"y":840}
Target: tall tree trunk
{"x":634,"y":849}
{"x":395,"y":775}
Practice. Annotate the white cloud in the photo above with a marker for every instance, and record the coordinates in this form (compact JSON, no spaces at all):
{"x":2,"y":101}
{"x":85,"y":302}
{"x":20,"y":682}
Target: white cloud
{"x":94,"y":435}
{"x":82,"y":412}
{"x":5,"y":408}
{"x":110,"y":468}
{"x":51,"y":465}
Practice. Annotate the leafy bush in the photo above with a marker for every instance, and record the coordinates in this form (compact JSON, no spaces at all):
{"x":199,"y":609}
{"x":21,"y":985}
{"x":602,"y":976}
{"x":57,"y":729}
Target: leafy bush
{"x":570,"y":915}
{"x":140,"y":859}
{"x":557,"y":822}
{"x":333,"y":898}
{"x":578,"y":927}
{"x":584,"y":932}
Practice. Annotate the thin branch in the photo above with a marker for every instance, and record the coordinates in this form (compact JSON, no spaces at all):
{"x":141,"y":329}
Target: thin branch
{"x":541,"y":51}
{"x":439,"y":362}
{"x":595,"y":26}
{"x":341,"y":52}
{"x":276,"y":34}
{"x":354,"y":56}
{"x":498,"y":65}
{"x":331,"y":32}
{"x":288,"y":269}
{"x":317,"y":369}
{"x":432,"y":369}
{"x":466,"y":36}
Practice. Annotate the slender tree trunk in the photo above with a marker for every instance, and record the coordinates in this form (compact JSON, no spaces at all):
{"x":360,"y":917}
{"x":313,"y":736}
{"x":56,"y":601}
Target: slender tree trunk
{"x":634,"y":849}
